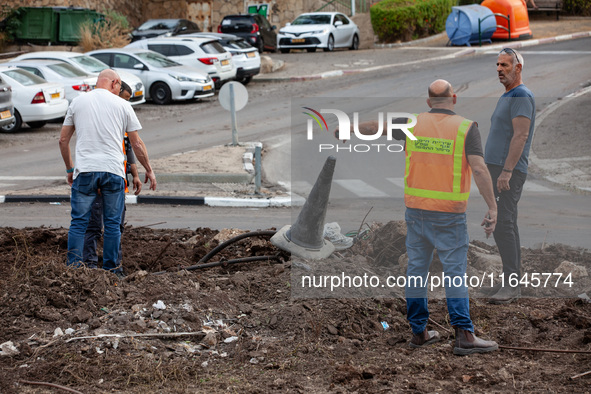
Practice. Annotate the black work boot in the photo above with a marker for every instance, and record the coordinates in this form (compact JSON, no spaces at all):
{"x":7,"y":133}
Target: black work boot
{"x":424,"y":338}
{"x":468,"y":343}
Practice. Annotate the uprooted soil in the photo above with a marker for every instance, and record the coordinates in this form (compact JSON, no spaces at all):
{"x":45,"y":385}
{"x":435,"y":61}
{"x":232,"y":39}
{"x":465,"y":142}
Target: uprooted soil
{"x":170,"y":327}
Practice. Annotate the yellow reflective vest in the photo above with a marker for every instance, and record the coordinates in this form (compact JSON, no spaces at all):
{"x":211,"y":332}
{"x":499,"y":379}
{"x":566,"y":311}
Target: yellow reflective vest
{"x":437,"y":176}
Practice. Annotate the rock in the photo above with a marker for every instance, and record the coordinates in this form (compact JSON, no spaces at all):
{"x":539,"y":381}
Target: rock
{"x":159,"y":305}
{"x":210,"y":339}
{"x":58,"y":332}
{"x":81,"y":316}
{"x":269,"y":66}
{"x":8,"y":349}
{"x":568,"y":267}
{"x":489,"y":263}
{"x":332,"y":329}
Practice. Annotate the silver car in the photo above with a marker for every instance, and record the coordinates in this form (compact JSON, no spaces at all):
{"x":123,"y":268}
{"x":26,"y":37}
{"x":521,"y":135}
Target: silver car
{"x":165,"y":80}
{"x":75,"y":81}
{"x":91,"y":66}
{"x":6,"y":108}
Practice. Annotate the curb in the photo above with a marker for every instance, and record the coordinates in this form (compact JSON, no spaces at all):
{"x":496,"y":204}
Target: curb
{"x":467,"y":51}
{"x":172,"y":200}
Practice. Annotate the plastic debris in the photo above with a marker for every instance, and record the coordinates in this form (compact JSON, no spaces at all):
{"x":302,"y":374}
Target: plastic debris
{"x":385,"y":325}
{"x":332,"y":232}
{"x":159,"y":305}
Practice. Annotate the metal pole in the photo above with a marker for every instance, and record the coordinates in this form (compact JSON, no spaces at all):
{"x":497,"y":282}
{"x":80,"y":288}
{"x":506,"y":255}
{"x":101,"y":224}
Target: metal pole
{"x":257,"y":169}
{"x":233,"y":114}
{"x":353,"y":7}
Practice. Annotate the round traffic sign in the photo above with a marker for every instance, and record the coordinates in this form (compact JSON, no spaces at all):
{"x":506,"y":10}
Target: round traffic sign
{"x":240,"y":96}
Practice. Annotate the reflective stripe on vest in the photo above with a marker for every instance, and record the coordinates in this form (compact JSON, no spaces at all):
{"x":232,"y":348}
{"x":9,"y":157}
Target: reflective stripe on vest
{"x":440,"y":146}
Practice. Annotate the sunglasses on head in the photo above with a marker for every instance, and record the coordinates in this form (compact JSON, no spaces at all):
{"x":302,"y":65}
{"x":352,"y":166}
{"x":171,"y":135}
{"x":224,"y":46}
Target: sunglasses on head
{"x":510,"y":51}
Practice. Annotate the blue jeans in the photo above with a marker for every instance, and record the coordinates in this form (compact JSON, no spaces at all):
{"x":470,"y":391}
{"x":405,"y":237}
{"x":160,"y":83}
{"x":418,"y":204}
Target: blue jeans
{"x":84,"y":191}
{"x":448,"y":233}
{"x":93,"y":233}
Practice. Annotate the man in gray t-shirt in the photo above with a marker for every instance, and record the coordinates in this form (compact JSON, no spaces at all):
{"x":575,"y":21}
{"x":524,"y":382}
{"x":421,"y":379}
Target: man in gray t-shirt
{"x":506,"y":155}
{"x":100,"y":118}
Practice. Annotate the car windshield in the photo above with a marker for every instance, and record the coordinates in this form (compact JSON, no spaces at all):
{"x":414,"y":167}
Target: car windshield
{"x":24,"y":77}
{"x":236,"y":44}
{"x":156,"y":59}
{"x":89,"y":64}
{"x":312,"y":20}
{"x":158,"y":24}
{"x":212,"y":47}
{"x":67,"y":70}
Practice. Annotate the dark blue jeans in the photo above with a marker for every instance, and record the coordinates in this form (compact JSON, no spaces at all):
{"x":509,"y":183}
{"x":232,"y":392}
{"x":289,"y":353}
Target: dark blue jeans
{"x":506,"y":232}
{"x":94,"y":231}
{"x":448,"y":233}
{"x":84,"y":191}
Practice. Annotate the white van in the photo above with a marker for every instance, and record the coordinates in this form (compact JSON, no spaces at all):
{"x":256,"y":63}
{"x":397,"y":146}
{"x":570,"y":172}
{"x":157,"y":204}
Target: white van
{"x":205,"y":54}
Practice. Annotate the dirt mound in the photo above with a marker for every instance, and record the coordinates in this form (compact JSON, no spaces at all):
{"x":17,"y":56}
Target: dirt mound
{"x":172,"y":327}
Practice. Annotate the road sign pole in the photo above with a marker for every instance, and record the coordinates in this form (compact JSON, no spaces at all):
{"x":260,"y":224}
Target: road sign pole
{"x":233,"y":114}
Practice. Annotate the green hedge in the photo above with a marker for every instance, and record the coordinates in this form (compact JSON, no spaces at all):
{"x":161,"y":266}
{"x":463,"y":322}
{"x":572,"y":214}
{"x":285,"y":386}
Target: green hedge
{"x":405,"y":20}
{"x":577,"y":7}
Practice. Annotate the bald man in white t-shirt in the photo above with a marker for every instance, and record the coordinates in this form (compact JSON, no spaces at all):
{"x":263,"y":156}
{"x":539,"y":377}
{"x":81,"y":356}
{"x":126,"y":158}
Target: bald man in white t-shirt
{"x":100,"y":119}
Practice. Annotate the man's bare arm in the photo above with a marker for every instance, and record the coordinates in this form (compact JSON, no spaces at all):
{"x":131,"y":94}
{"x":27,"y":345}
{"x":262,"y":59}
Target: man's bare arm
{"x":64,"y":144}
{"x":141,"y":153}
{"x":520,"y":133}
{"x":485,"y":187}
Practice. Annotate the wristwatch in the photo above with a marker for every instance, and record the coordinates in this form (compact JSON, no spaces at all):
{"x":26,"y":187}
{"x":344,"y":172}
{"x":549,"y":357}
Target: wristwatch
{"x":507,"y":170}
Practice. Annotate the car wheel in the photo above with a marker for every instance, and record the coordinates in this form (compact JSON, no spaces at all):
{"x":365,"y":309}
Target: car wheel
{"x":311,"y":49}
{"x":284,"y":50}
{"x":261,"y":45}
{"x":36,"y":125}
{"x":355,"y":43}
{"x":244,"y":80}
{"x":329,"y":44}
{"x":15,"y":125}
{"x":160,"y":93}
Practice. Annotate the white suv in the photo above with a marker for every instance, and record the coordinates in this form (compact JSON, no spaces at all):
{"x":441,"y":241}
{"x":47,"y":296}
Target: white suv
{"x":205,"y":54}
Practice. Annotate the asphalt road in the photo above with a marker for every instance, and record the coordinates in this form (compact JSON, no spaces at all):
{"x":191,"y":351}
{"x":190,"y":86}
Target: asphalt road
{"x":273,"y":116}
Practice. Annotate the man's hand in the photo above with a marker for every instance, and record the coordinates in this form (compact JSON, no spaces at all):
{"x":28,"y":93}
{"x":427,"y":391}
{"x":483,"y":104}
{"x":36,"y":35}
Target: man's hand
{"x":137,"y":185}
{"x":489,"y":222}
{"x":70,"y":178}
{"x":503,"y":181}
{"x":152,"y":178}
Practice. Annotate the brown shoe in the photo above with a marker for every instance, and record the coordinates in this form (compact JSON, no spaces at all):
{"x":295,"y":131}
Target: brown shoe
{"x":424,"y":338}
{"x":505,"y":295}
{"x":468,"y":343}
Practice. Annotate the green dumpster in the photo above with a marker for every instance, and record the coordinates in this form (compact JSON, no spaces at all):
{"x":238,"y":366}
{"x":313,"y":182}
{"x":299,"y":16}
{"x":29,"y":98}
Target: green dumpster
{"x":37,"y":24}
{"x":70,"y":21}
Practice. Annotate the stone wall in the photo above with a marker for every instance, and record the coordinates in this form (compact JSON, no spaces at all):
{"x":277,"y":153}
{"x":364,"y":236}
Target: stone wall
{"x":206,"y":13}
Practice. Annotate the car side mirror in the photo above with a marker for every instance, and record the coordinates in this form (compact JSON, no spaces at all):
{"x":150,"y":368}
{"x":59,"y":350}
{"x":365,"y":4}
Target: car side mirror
{"x":140,"y":66}
{"x":338,"y":23}
{"x":288,"y":24}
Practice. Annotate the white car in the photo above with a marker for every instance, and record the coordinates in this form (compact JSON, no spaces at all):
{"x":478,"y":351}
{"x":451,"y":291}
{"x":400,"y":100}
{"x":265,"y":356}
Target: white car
{"x":245,"y":56}
{"x":205,"y":54}
{"x":326,"y":30}
{"x":35,"y":100}
{"x":74,"y":80}
{"x":91,"y":66}
{"x":165,"y":80}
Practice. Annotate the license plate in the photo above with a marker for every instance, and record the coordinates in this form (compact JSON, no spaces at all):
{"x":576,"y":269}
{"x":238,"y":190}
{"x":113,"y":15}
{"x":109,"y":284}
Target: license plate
{"x":138,"y":93}
{"x":208,"y":87}
{"x":4,"y":114}
{"x":297,"y":40}
{"x":55,"y":95}
{"x":250,"y":54}
{"x":225,"y":62}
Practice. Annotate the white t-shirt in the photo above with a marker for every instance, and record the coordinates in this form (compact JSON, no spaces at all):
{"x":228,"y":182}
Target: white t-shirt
{"x":101,"y":119}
